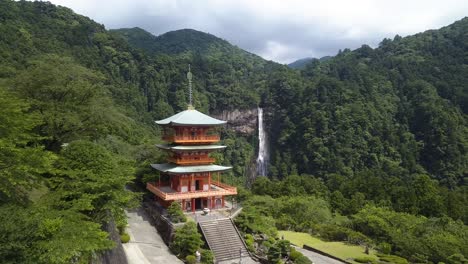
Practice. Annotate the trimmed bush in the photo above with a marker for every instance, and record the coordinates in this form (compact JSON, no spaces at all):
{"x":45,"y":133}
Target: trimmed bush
{"x":303,"y":260}
{"x":191,"y":259}
{"x":366,"y":260}
{"x":392,"y":259}
{"x":124,"y":238}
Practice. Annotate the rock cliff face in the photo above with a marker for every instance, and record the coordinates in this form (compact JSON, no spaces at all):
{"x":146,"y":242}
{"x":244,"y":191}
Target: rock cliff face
{"x":115,"y":255}
{"x":241,"y":121}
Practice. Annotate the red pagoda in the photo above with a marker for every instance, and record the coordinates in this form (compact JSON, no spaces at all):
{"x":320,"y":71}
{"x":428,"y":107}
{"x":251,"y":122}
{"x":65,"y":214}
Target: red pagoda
{"x":190,"y":176}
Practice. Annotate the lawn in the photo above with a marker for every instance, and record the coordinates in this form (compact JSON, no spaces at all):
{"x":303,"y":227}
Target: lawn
{"x":337,"y":249}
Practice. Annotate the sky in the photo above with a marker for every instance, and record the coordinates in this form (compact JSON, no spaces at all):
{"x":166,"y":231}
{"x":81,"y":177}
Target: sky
{"x":282,"y":31}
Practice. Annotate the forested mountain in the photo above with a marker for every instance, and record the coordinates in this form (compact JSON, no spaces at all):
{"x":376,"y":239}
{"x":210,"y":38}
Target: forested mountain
{"x":300,"y":63}
{"x":174,"y":42}
{"x":367,"y":130}
{"x":403,"y":103}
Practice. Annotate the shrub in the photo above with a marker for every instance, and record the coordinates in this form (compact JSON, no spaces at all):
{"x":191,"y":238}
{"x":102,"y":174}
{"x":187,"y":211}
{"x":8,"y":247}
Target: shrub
{"x":365,"y":260}
{"x":332,"y":232}
{"x":457,"y":259}
{"x":187,"y":240}
{"x":274,"y":254}
{"x":284,"y":247}
{"x":206,"y":256}
{"x":385,"y":248}
{"x":357,"y":238}
{"x":392,"y":259}
{"x":294,"y":255}
{"x":124,"y":238}
{"x":175,"y":213}
{"x":191,"y":259}
{"x":249,"y":241}
{"x":303,"y":260}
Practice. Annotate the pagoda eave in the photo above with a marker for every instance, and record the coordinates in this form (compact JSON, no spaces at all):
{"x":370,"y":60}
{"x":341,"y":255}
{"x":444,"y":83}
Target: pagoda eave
{"x":176,"y":169}
{"x":190,"y":117}
{"x":190,"y":147}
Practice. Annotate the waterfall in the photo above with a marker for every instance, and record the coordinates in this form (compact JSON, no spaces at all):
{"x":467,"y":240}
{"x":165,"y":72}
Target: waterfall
{"x":262,"y":158}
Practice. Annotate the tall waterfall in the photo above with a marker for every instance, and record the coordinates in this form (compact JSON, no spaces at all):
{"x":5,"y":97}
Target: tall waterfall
{"x":262,"y":159}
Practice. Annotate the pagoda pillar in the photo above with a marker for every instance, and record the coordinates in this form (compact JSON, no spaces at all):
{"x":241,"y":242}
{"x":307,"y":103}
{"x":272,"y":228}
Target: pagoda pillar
{"x":183,"y":205}
{"x":222,"y":203}
{"x":192,"y":183}
{"x":209,"y":181}
{"x":193,"y":205}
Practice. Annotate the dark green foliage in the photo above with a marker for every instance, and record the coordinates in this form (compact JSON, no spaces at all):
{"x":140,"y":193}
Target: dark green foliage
{"x":366,"y":260}
{"x":284,"y":247}
{"x":294,"y":255}
{"x":303,"y":260}
{"x":392,"y":259}
{"x":41,"y":234}
{"x":384,"y":126}
{"x":372,"y":120}
{"x":191,"y":259}
{"x":207,"y":256}
{"x":175,"y":213}
{"x":187,"y":240}
{"x":457,"y":259}
{"x":433,"y":238}
{"x":22,"y":158}
{"x":274,"y":254}
{"x":333,"y":232}
{"x":385,"y":248}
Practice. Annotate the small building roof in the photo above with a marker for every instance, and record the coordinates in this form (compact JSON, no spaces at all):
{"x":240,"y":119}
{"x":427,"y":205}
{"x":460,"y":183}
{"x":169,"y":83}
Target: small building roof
{"x":176,"y":169}
{"x":191,"y":117}
{"x":190,"y":147}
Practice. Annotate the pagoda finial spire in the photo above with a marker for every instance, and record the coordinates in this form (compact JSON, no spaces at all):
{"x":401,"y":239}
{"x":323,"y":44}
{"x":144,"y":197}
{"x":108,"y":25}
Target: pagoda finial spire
{"x":189,"y":77}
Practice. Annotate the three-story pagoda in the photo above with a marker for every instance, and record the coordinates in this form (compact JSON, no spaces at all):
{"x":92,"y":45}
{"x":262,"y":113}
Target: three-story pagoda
{"x":190,"y":176}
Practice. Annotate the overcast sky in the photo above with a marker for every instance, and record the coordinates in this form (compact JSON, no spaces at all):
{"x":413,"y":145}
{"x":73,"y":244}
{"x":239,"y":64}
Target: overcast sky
{"x":281,"y":31}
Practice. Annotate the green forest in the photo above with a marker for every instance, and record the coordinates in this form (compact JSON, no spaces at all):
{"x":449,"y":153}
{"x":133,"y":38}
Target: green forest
{"x":368,"y":146}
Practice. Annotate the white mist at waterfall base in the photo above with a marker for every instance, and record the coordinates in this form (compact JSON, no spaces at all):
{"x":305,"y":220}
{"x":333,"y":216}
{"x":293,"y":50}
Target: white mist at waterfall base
{"x":262,"y":158}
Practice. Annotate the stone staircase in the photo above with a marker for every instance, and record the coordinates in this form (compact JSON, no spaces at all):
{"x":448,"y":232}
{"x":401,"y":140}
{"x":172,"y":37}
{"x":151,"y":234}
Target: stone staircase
{"x":224,"y":239}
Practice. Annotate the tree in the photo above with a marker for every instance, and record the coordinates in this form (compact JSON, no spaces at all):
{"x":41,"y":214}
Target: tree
{"x":274,"y":254}
{"x":187,"y":240}
{"x":67,"y":96}
{"x":22,"y":158}
{"x":175,"y":212}
{"x":92,"y":180}
{"x":43,"y":235}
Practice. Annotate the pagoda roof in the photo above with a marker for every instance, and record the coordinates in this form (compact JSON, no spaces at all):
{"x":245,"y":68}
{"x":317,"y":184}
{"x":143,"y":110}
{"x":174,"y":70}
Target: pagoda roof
{"x":191,"y":117}
{"x":176,"y":169}
{"x":190,"y":147}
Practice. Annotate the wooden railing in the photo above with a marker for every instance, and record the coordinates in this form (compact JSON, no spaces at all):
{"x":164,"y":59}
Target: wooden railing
{"x":191,"y":160}
{"x":226,"y":190}
{"x":224,"y":186}
{"x":182,"y":139}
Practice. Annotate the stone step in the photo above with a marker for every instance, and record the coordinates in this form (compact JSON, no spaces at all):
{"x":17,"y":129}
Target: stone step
{"x":223,"y":239}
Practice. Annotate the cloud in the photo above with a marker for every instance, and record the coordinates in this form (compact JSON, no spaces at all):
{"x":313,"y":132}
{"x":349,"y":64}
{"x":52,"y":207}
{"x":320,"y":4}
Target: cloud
{"x":279,"y":30}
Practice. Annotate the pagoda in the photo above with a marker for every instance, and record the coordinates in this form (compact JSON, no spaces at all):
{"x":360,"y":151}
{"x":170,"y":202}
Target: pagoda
{"x":190,"y":176}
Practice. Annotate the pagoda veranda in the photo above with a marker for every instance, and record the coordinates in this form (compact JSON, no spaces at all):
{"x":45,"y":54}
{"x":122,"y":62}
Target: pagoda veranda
{"x":190,"y":176}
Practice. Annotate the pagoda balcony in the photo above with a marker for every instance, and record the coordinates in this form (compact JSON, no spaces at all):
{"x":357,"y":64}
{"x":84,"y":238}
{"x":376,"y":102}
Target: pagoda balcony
{"x":192,"y":160}
{"x":166,"y":193}
{"x":192,"y":139}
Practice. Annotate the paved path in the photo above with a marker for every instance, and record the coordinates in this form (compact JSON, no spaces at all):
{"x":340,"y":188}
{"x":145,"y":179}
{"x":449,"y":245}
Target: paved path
{"x":146,"y":245}
{"x":317,"y":258}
